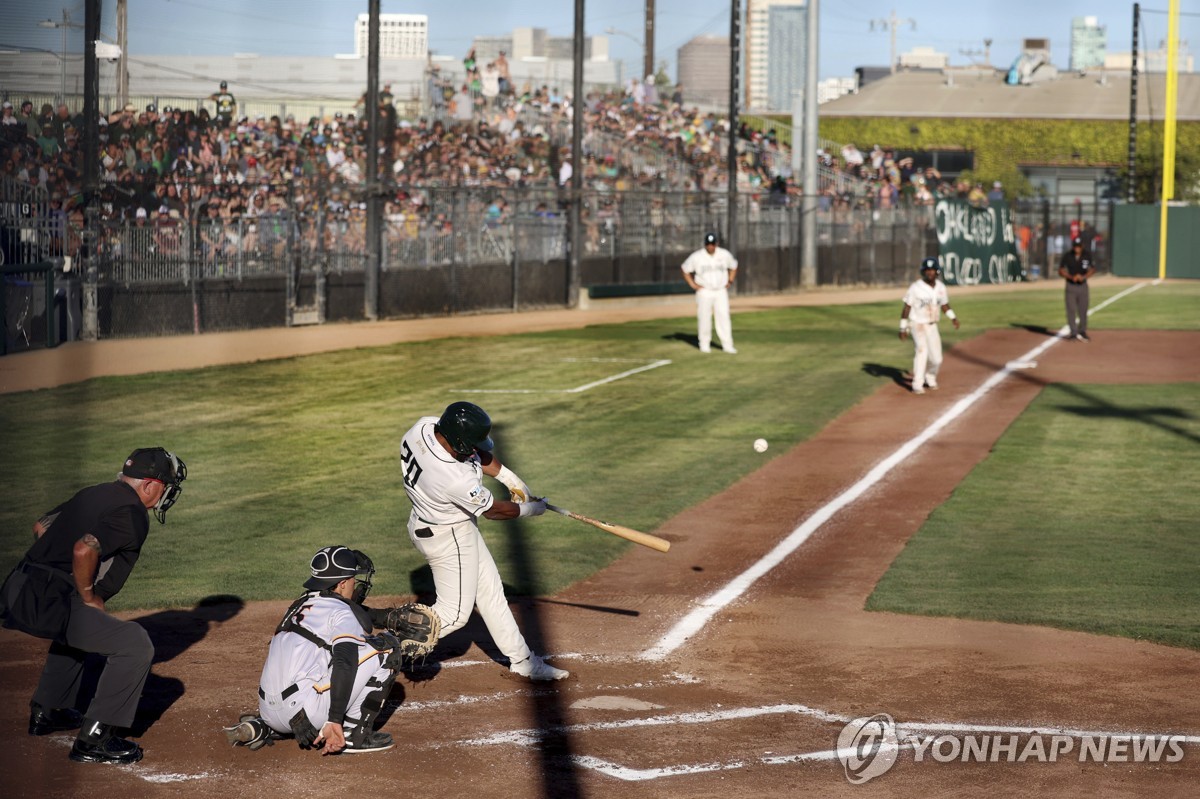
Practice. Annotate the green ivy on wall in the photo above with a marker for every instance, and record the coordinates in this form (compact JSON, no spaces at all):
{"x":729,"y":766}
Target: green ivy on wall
{"x":1002,"y":146}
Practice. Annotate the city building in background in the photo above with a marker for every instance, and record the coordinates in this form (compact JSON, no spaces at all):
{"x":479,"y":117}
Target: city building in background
{"x":773,"y":54}
{"x":1152,"y":61}
{"x":924,"y":58}
{"x":703,"y":67}
{"x":833,"y":88}
{"x":1089,"y":40}
{"x":535,"y":43}
{"x":400,"y":35}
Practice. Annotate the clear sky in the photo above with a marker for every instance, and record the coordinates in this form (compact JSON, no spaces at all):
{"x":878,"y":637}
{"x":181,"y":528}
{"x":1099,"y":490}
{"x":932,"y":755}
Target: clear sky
{"x":325,"y":27}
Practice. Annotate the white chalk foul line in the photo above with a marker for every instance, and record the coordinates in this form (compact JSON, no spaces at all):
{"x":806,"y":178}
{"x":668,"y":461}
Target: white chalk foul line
{"x":578,"y":389}
{"x":695,"y":620}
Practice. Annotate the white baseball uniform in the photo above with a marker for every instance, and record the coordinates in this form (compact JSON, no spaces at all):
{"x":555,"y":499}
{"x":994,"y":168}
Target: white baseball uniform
{"x":925,"y":302}
{"x":447,"y":496}
{"x":298,"y":672}
{"x":711,"y":273}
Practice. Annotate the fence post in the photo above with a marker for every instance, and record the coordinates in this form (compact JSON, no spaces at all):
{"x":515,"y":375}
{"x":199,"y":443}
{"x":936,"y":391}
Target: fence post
{"x":90,"y":327}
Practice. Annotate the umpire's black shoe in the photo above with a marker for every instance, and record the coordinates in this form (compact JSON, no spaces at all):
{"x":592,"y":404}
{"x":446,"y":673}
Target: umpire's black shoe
{"x":43,"y":721}
{"x":97,"y":744}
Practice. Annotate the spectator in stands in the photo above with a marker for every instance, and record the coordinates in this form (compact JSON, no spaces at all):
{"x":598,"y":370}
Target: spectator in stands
{"x":997,"y":192}
{"x":226,"y":103}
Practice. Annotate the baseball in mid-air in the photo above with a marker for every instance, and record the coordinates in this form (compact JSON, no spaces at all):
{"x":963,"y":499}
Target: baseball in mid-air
{"x":760,"y":445}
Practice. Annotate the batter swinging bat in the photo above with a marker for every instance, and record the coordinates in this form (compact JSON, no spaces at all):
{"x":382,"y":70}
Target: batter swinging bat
{"x":628,"y":533}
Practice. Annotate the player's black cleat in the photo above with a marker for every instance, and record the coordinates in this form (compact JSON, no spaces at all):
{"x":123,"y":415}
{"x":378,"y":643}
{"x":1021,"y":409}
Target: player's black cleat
{"x":371,"y":742}
{"x":98,"y":744}
{"x":43,"y":721}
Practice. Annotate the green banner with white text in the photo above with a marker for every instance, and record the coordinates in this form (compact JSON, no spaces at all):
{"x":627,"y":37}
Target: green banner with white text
{"x":976,"y":245}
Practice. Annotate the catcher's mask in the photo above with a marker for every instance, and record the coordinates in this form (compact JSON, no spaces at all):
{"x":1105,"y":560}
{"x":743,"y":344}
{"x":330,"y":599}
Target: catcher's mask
{"x":155,"y":463}
{"x":362,"y":577}
{"x":333,"y":564}
{"x":466,"y":427}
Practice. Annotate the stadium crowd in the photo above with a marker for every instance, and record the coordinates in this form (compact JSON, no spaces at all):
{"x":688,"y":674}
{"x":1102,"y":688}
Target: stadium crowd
{"x":161,"y":168}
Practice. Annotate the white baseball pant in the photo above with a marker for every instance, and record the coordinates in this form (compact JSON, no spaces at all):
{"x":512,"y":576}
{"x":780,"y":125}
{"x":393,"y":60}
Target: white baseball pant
{"x":927,"y":354}
{"x":313,"y":696}
{"x":712,"y":303}
{"x":465,"y":577}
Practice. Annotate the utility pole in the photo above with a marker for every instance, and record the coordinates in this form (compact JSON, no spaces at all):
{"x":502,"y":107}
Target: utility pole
{"x":986,"y":52}
{"x":735,"y":52}
{"x":374,"y":206}
{"x":123,"y":43}
{"x":808,"y":201}
{"x":1131,"y":179}
{"x":648,"y":63}
{"x":891,"y":23}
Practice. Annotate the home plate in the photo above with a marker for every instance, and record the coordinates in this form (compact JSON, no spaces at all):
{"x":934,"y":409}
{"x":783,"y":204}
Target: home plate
{"x":1021,"y":365}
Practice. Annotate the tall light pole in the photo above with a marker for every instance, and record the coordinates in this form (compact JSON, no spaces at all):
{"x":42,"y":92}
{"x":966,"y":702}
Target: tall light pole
{"x":62,"y":61}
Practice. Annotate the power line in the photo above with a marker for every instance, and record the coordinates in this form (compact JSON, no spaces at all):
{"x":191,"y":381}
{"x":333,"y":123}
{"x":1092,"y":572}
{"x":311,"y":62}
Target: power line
{"x":891,"y":23}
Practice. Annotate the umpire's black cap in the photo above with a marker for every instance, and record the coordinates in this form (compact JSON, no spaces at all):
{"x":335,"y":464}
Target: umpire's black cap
{"x":153,"y":463}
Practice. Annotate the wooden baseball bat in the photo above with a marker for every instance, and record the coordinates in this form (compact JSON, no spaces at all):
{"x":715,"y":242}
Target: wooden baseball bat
{"x":628,"y":533}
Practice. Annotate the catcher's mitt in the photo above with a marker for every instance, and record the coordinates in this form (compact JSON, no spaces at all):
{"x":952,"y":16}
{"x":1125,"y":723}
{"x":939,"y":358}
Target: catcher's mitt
{"x":416,"y":627}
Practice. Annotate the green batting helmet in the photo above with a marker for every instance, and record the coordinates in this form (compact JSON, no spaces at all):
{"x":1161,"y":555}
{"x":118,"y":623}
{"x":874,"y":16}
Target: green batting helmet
{"x":467,"y":427}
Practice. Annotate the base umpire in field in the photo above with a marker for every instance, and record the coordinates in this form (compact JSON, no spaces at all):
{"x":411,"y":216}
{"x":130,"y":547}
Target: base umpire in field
{"x":1076,"y":267}
{"x":84,"y":552}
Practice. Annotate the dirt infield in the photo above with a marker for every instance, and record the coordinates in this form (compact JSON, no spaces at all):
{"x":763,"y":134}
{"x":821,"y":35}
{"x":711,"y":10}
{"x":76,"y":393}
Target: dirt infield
{"x":752,"y":705}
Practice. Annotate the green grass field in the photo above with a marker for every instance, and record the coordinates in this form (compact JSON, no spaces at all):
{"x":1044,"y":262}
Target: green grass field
{"x":287,"y":456}
{"x":1083,"y":517}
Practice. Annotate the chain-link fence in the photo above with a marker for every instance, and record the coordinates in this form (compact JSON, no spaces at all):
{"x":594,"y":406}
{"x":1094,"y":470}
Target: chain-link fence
{"x":442,"y":251}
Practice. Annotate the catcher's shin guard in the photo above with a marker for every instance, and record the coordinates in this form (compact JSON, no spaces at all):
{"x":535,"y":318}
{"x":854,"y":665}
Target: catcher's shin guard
{"x":251,"y":732}
{"x":358,"y":730}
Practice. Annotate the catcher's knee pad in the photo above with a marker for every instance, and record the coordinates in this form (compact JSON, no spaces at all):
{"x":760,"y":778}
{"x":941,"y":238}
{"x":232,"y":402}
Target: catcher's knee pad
{"x":358,"y":729}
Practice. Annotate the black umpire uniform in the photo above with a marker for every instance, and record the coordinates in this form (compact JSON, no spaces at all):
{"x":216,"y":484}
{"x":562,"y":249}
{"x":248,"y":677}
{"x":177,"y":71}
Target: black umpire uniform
{"x":1076,"y":267}
{"x":84,"y":553}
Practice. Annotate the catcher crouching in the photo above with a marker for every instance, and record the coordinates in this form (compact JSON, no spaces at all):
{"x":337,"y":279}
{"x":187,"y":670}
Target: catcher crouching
{"x":327,"y":675}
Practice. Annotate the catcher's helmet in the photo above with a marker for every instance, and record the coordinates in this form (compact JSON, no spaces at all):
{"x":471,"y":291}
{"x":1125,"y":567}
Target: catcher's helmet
{"x":930,"y":263}
{"x":710,"y":238}
{"x":466,"y":427}
{"x":333,"y":564}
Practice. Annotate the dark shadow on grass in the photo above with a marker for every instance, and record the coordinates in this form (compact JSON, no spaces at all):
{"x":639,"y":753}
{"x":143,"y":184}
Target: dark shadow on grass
{"x":897,"y":376}
{"x":686,"y":338}
{"x":1092,"y":406}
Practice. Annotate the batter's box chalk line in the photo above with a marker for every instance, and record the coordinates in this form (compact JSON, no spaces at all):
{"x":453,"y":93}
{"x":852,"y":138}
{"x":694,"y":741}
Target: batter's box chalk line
{"x":647,"y":365}
{"x":531,"y":737}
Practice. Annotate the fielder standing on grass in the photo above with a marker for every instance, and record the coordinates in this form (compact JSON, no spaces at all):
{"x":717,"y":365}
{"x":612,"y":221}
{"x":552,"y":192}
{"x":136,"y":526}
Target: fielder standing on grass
{"x":924,"y":302}
{"x":710,"y":271}
{"x":443,"y":461}
{"x":84,"y":552}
